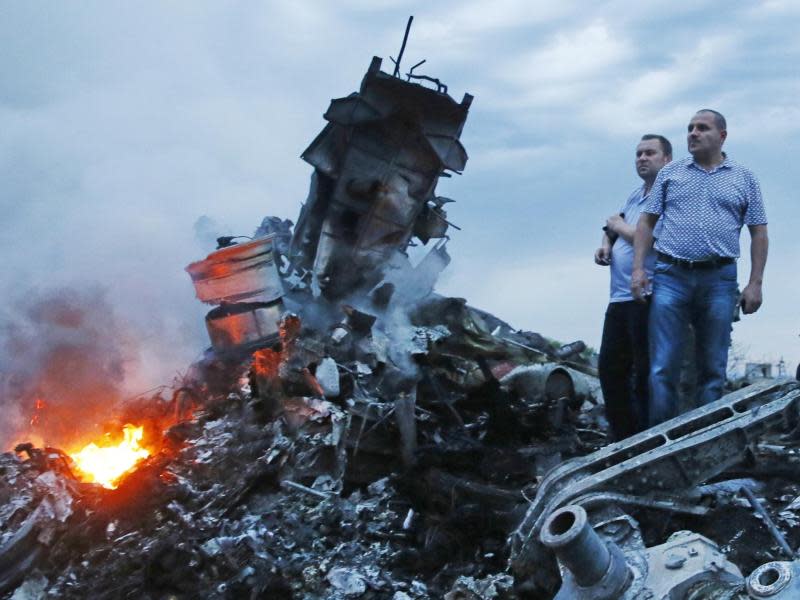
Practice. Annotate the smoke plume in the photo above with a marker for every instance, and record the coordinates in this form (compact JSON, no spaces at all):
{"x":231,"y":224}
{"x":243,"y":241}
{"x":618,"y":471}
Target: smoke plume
{"x":64,"y":356}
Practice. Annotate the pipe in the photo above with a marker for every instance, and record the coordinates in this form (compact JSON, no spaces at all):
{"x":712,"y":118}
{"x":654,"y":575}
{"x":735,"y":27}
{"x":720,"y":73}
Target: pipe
{"x":567,"y":532}
{"x":598,"y":568}
{"x":773,"y":529}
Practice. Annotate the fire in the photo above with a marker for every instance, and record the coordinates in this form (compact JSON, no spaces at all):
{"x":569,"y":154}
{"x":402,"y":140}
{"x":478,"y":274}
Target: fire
{"x":38,"y":406}
{"x":106,"y":464}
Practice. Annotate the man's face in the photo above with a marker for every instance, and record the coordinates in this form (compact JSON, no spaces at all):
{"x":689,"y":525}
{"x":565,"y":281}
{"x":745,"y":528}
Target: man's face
{"x":703,"y":135}
{"x":650,"y":158}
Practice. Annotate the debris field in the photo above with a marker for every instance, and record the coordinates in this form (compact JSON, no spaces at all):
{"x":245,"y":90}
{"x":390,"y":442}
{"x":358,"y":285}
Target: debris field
{"x":350,"y":433}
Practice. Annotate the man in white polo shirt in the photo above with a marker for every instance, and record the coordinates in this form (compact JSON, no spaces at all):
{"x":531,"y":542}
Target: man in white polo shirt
{"x":623,"y":366}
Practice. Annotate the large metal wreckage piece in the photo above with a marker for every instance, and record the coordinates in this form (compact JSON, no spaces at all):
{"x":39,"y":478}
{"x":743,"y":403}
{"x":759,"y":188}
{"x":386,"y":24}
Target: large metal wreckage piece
{"x":244,"y":282}
{"x":658,"y":469}
{"x":376,"y":165}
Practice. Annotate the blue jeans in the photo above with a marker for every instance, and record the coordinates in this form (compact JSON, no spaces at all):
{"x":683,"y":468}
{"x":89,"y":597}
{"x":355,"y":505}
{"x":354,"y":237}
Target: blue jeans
{"x":706,"y":298}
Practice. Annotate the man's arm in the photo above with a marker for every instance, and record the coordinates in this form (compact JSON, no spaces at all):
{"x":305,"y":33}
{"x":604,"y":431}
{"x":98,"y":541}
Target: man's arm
{"x":618,"y":225}
{"x":602,"y":256}
{"x":642,"y":242}
{"x":759,"y":244}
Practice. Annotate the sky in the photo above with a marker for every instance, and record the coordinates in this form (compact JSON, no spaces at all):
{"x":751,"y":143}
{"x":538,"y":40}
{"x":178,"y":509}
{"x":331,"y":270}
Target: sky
{"x":122,"y":124}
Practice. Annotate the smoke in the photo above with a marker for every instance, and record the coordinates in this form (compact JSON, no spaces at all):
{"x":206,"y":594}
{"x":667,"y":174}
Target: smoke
{"x":207,"y":230}
{"x":414,"y":283}
{"x":64,"y":355}
{"x":109,"y":153}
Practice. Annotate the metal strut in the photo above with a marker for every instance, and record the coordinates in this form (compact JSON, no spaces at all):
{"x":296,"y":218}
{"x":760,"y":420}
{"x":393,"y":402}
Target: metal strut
{"x":402,"y":48}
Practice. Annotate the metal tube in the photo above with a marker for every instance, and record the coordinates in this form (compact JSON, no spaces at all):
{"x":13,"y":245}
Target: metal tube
{"x":568,"y":533}
{"x":773,"y":529}
{"x":286,"y":484}
{"x":402,"y":47}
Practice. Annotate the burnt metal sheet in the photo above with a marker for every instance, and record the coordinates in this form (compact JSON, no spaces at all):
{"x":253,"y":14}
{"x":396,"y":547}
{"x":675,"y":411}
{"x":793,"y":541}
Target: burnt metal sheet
{"x":20,"y":553}
{"x":242,"y":272}
{"x":232,"y":327}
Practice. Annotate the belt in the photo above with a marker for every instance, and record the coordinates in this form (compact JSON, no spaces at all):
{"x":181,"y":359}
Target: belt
{"x":709,"y":263}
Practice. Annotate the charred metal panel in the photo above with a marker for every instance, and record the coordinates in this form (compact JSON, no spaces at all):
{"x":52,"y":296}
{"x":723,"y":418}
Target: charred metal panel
{"x":304,"y":243}
{"x":242,"y":272}
{"x":376,"y":167}
{"x":241,"y":325}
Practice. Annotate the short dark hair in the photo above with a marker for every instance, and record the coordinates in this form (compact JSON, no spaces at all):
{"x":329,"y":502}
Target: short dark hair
{"x":719,"y":120}
{"x":666,"y":147}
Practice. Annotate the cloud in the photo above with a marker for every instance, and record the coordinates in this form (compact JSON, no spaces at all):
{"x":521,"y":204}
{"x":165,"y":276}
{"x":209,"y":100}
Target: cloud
{"x":650,"y":99}
{"x":772,"y":8}
{"x":568,"y":58}
{"x":557,"y":296}
{"x":122,"y":124}
{"x":475,"y":19}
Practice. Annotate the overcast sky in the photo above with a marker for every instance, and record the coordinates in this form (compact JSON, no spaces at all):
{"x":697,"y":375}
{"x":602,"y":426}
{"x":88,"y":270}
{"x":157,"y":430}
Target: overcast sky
{"x":123,"y":123}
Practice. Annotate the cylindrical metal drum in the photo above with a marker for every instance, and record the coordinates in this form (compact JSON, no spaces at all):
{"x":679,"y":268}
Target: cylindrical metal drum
{"x":239,"y":273}
{"x":551,"y":381}
{"x":237,"y":326}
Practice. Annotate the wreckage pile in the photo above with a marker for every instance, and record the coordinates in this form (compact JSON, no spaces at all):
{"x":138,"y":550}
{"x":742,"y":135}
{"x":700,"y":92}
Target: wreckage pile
{"x":308,"y":499}
{"x":351,"y":434}
{"x":316,"y":503}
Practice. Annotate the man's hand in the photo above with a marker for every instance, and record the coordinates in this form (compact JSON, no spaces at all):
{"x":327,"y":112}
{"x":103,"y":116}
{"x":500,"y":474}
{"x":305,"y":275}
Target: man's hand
{"x":643,"y":241}
{"x":640,"y":285}
{"x":751,"y":298}
{"x":602,"y":256}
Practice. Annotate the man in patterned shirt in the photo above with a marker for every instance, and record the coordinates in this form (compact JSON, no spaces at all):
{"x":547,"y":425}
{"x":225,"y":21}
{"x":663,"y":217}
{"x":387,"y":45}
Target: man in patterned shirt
{"x":624,"y":366}
{"x":703,"y":201}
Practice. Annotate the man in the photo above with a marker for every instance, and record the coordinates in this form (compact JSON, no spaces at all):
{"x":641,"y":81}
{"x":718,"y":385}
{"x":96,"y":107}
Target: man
{"x":702,"y":201}
{"x":623,"y":365}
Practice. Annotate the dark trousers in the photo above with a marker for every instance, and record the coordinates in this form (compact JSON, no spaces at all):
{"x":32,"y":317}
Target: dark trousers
{"x":624,"y":367}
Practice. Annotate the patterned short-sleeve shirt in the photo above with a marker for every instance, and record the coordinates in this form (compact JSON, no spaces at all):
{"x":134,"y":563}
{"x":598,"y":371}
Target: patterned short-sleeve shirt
{"x":622,"y":250}
{"x":702,"y":212}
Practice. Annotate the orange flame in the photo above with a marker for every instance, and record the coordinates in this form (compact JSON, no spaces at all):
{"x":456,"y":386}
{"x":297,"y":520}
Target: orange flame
{"x":39,"y":406}
{"x":107,"y":464}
